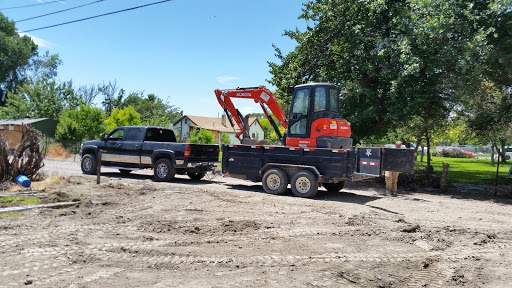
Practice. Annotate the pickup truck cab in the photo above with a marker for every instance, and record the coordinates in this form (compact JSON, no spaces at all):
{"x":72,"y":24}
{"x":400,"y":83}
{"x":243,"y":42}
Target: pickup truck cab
{"x":130,"y":148}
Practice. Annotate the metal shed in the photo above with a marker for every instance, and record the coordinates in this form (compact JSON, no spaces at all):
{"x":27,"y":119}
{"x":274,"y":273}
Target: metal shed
{"x":12,"y":129}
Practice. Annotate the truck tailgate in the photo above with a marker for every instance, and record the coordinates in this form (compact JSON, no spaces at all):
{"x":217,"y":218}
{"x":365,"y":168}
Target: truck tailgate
{"x":204,"y":152}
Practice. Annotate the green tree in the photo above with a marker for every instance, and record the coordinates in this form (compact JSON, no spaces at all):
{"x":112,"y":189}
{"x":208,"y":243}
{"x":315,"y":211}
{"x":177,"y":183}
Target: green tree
{"x":224,"y":138}
{"x":490,"y":115}
{"x":397,"y":61}
{"x":152,"y":110}
{"x":110,"y":100}
{"x":15,"y":54}
{"x":40,"y":98}
{"x":123,"y":117}
{"x":81,"y":123}
{"x":201,"y":136}
{"x":269,"y":133}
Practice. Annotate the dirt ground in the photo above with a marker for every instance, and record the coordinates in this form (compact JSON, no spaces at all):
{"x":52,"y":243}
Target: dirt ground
{"x":130,"y":231}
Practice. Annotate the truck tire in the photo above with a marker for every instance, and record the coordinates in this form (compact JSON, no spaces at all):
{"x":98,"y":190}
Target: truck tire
{"x":275,"y":181}
{"x":334,"y":187}
{"x":88,"y":164}
{"x":164,"y":171}
{"x":304,"y":184}
{"x":196,"y":176}
{"x":125,"y":171}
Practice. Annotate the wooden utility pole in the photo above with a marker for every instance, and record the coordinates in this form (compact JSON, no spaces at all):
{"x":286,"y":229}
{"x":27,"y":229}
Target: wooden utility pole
{"x":98,"y":168}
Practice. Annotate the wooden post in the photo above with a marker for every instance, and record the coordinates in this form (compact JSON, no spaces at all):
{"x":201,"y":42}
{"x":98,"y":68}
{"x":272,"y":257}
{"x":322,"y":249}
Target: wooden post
{"x":497,"y":172}
{"x":98,"y":168}
{"x":444,"y":176}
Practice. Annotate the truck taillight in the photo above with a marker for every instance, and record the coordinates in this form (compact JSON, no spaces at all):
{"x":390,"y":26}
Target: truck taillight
{"x":187,"y":151}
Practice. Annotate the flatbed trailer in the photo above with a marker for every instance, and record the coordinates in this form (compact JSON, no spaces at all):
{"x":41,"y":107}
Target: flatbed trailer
{"x":305,"y":169}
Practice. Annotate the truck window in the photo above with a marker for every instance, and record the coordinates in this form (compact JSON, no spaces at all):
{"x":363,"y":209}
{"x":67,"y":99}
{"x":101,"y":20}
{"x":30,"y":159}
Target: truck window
{"x":160,"y":135}
{"x":116,"y":135}
{"x":133,"y":134}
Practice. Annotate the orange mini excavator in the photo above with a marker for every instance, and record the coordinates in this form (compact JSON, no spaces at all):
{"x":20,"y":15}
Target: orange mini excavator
{"x":314,"y":115}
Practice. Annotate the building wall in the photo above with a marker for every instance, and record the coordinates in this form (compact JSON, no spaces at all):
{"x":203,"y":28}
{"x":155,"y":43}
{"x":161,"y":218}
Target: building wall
{"x":256,"y":131}
{"x":12,"y":135}
{"x":183,"y":129}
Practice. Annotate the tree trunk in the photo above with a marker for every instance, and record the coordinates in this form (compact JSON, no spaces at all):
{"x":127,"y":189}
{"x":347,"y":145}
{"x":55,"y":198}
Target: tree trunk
{"x":493,"y":145}
{"x":27,"y":159}
{"x":4,"y":161}
{"x":502,"y":152}
{"x":429,"y":167}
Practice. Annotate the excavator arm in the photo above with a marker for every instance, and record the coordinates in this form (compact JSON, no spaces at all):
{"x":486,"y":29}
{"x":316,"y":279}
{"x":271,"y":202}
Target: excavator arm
{"x":260,"y":95}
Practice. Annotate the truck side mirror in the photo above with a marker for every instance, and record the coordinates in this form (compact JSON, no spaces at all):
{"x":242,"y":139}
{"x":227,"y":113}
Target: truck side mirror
{"x":103,"y":137}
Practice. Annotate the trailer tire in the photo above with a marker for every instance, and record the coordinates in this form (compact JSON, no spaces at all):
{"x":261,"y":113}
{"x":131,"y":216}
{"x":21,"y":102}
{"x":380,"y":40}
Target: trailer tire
{"x":334,"y":187}
{"x":304,"y":184}
{"x":164,"y":171}
{"x":275,"y":181}
{"x":88,"y":164}
{"x":196,"y":176}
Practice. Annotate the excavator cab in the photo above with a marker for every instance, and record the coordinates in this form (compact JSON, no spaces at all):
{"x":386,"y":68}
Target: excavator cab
{"x":314,"y":118}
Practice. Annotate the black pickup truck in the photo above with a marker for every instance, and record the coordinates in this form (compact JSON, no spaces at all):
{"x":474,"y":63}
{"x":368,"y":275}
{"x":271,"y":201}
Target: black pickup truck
{"x":135,"y":147}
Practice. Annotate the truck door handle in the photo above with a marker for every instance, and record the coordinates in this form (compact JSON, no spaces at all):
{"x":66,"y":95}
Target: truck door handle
{"x":118,"y":145}
{"x":135,"y":146}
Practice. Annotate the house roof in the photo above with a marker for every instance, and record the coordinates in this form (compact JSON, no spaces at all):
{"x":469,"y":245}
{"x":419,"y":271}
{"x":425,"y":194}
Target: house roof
{"x":23,"y":121}
{"x":213,"y":123}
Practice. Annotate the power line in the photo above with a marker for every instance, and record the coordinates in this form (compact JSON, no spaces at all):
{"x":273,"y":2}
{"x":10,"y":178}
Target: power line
{"x":31,"y":5}
{"x":60,"y":11}
{"x":92,"y":17}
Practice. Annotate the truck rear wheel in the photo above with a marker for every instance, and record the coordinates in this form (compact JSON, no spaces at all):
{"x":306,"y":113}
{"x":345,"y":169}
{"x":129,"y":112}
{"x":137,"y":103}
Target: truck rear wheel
{"x":275,"y":181}
{"x":196,"y":176}
{"x":88,"y":164}
{"x":304,"y":184}
{"x":334,"y":187}
{"x":164,"y":171}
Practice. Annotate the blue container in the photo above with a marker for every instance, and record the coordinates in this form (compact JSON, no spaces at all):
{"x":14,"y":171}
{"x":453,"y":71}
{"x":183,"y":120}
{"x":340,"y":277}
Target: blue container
{"x":23,"y":181}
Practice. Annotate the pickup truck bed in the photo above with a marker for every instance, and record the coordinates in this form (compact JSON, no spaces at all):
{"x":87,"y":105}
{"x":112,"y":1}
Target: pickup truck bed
{"x":133,"y":147}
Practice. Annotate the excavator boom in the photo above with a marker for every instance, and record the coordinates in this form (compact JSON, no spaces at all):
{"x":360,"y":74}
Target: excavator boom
{"x":260,"y":95}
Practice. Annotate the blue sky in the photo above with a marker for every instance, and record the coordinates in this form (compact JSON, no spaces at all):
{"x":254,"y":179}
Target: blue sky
{"x":180,"y":50}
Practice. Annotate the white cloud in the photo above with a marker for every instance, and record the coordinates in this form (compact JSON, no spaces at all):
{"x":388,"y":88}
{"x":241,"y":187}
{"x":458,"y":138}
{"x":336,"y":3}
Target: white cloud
{"x":40,"y":42}
{"x":226,"y":79}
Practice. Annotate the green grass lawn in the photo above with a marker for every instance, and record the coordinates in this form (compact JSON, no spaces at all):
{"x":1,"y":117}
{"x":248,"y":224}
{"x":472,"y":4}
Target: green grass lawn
{"x":471,"y":171}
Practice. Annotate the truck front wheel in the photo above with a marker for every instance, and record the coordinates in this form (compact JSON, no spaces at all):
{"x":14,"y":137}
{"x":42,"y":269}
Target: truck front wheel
{"x":88,"y":164}
{"x":304,"y":184}
{"x":164,"y":171}
{"x":275,"y":181}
